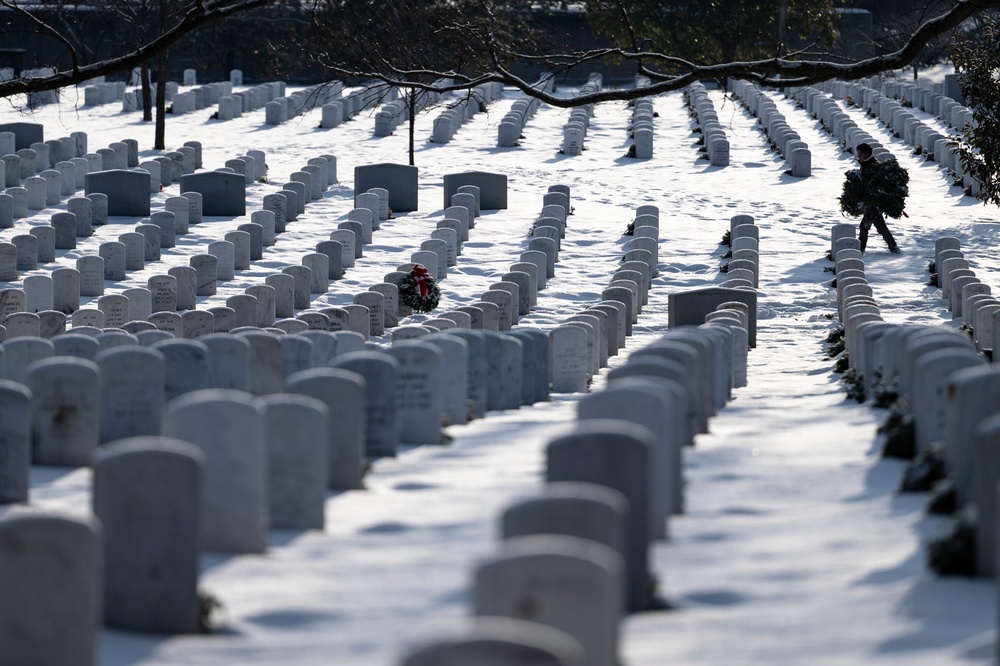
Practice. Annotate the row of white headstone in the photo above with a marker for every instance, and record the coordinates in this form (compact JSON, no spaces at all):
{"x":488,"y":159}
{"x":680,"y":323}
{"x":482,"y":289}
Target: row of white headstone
{"x":134,"y":249}
{"x":71,"y":164}
{"x":575,"y":559}
{"x":185,"y":100}
{"x":191,"y":77}
{"x":855,"y":300}
{"x":235,"y":103}
{"x":394,"y":110}
{"x":575,"y":130}
{"x":140,"y":309}
{"x":713,"y":136}
{"x":941,"y":378}
{"x":83,"y":213}
{"x":926,"y":139}
{"x":132,"y":99}
{"x":743,"y":269}
{"x":173,"y":164}
{"x":598,"y":331}
{"x":40,"y":156}
{"x":98,"y":91}
{"x":454,"y":116}
{"x":914,"y":95}
{"x":338,"y":108}
{"x":785,"y":141}
{"x":512,"y":125}
{"x":52,"y":185}
{"x":66,"y":176}
{"x":231,"y":104}
{"x":839,"y":123}
{"x":641,"y":127}
{"x":281,"y":108}
{"x":579,"y":349}
{"x":918,"y":95}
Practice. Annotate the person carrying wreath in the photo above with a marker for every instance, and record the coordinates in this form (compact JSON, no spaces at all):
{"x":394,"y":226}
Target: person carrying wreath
{"x":872,"y":214}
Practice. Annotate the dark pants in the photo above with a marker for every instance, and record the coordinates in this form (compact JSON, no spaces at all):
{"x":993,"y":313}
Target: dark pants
{"x":873,"y":216}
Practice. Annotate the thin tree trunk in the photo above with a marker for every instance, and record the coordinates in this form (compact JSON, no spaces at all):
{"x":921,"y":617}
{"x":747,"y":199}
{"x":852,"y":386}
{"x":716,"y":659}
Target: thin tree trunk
{"x":413,"y":120}
{"x":159,"y":142}
{"x":147,"y":94}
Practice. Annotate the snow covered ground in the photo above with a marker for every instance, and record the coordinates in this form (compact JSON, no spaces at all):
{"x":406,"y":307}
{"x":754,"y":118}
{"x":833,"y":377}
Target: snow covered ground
{"x":795,"y":548}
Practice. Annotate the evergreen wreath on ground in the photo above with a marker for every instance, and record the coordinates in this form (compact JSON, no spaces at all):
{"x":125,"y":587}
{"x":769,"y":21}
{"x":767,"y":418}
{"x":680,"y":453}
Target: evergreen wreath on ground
{"x":885,"y":189}
{"x":419,"y":290}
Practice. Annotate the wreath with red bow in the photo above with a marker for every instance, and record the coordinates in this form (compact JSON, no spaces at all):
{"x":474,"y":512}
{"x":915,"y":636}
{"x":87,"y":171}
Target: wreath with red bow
{"x":419,"y":290}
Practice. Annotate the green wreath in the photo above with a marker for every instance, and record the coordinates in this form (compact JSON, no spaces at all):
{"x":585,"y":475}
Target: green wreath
{"x":886,"y":188}
{"x":853,"y":196}
{"x":418,"y":290}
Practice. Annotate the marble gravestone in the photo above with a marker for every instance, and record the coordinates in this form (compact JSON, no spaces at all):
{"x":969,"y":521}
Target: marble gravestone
{"x":50,"y":571}
{"x":399,"y":179}
{"x":297,"y":427}
{"x":379,"y":371}
{"x":492,"y":188}
{"x":615,"y":454}
{"x":344,"y":394}
{"x":15,"y":441}
{"x":504,"y":359}
{"x":187,"y":366}
{"x":228,"y":426}
{"x":569,"y":359}
{"x":570,"y":584}
{"x":419,"y":404}
{"x":689,"y":307}
{"x":265,"y":362}
{"x":637,"y":400}
{"x":223,"y":194}
{"x":582,"y":510}
{"x":230,"y":367}
{"x":454,"y":376}
{"x":127,"y":191}
{"x":22,"y":352}
{"x":147,"y":495}
{"x":132,"y":392}
{"x":65,"y":420}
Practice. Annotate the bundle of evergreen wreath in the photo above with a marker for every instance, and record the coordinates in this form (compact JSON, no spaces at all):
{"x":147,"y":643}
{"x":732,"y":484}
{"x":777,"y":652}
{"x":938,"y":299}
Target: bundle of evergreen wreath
{"x":419,"y":290}
{"x":886,"y":188}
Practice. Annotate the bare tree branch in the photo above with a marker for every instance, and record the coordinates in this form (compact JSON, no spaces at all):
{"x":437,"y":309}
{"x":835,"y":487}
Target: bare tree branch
{"x":772,"y":72}
{"x":668,"y":72}
{"x":200,"y":15}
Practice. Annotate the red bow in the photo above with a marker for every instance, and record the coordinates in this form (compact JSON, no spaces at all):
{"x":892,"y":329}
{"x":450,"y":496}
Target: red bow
{"x":420,"y":274}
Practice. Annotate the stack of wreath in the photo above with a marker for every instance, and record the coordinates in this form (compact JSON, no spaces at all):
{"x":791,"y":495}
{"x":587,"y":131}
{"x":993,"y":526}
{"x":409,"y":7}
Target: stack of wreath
{"x":885,"y":188}
{"x":419,"y":290}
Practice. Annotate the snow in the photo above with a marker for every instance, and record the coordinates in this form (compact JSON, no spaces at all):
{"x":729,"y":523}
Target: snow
{"x":795,"y":548}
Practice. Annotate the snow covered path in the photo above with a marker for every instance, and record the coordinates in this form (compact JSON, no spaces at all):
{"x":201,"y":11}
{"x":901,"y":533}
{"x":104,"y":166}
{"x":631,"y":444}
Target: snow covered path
{"x":796,"y":548}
